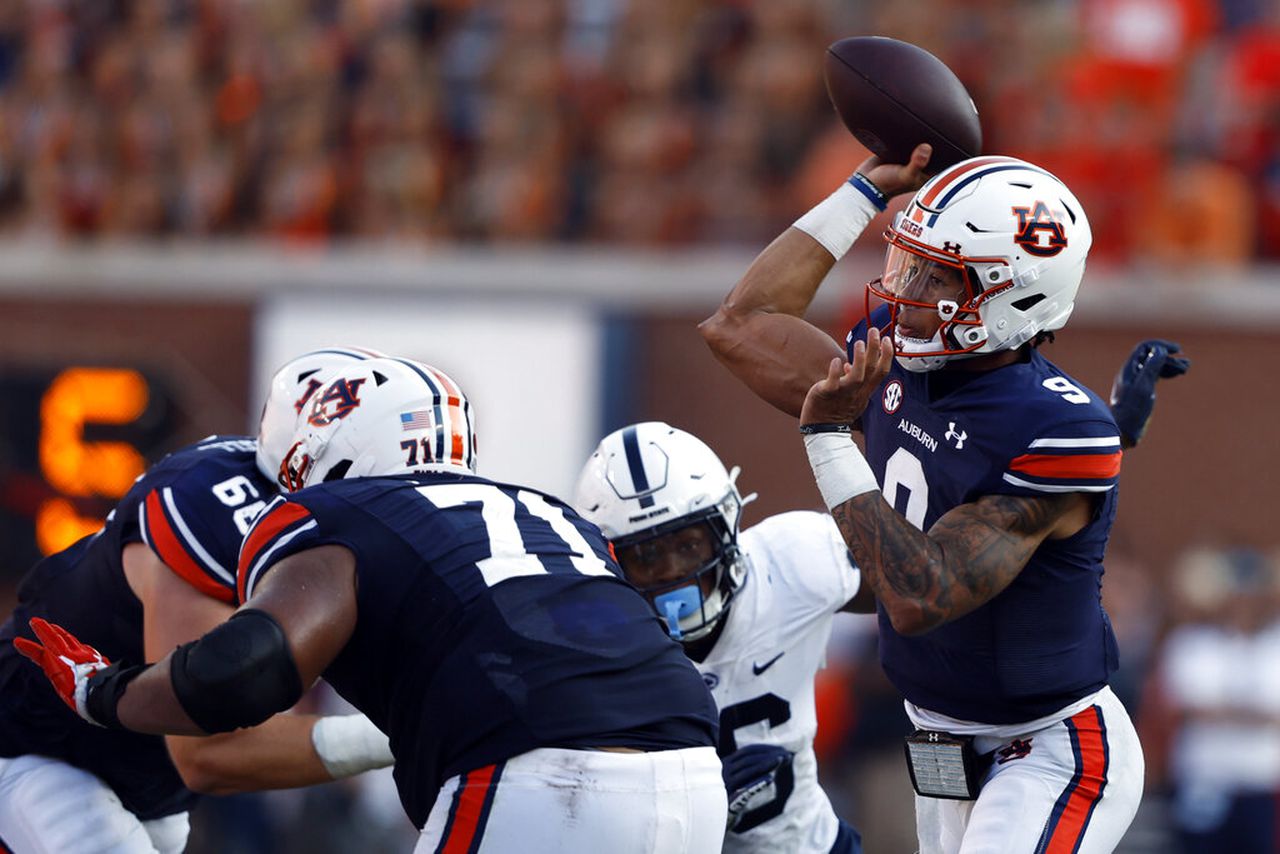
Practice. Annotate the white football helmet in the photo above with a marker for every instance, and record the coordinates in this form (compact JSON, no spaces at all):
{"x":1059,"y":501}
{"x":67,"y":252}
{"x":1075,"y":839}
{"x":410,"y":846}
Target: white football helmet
{"x":290,"y":388}
{"x":381,"y":417}
{"x":650,"y":480}
{"x":1017,"y":236}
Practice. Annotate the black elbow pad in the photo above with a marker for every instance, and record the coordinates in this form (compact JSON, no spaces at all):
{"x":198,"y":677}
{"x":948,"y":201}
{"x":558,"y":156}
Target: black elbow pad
{"x":237,"y":675}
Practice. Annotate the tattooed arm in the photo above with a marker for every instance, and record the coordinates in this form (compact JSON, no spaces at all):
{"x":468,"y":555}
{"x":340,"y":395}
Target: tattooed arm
{"x":970,"y":554}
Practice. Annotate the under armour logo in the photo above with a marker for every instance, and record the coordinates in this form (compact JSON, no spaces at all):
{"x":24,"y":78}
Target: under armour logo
{"x":1019,"y":748}
{"x":953,"y":248}
{"x":958,"y":436}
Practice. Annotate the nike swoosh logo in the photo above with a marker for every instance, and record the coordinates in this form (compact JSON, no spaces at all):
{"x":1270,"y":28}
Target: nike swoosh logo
{"x":757,"y":669}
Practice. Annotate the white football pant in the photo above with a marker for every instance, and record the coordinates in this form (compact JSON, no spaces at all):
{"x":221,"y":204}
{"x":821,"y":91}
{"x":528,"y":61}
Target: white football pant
{"x":49,"y":807}
{"x":551,"y":801}
{"x":1071,"y":787}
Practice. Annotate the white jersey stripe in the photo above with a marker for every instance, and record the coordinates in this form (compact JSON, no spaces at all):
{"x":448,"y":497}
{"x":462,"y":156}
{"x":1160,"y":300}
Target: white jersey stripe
{"x":1101,"y":442}
{"x":264,"y":558}
{"x":1057,"y":487}
{"x":193,"y":544}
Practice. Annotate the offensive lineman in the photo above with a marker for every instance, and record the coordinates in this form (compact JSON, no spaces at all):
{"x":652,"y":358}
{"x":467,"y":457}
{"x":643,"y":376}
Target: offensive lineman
{"x":159,"y":573}
{"x":754,"y":614}
{"x":532,"y":700}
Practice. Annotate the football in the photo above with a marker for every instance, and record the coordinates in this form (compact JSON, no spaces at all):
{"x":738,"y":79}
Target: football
{"x":892,"y":96}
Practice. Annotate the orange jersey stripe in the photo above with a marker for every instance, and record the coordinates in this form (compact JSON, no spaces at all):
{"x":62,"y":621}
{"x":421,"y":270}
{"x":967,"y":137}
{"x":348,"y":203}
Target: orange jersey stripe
{"x":466,"y":818}
{"x":1091,"y":466}
{"x":165,"y":543}
{"x":263,"y":532}
{"x":1093,"y":777}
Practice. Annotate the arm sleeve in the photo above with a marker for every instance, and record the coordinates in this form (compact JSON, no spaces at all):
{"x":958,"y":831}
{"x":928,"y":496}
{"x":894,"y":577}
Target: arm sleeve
{"x":195,"y":536}
{"x":1076,"y":456}
{"x":283,"y":528}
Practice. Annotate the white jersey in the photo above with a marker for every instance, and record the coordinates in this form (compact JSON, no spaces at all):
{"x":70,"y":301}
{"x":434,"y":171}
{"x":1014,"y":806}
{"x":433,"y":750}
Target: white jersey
{"x":762,"y":667}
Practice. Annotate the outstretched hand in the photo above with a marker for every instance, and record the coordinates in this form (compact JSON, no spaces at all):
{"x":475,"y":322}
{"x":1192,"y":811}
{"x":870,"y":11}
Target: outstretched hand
{"x":1133,"y":394}
{"x":842,"y":395}
{"x":893,"y":179}
{"x":68,"y":663}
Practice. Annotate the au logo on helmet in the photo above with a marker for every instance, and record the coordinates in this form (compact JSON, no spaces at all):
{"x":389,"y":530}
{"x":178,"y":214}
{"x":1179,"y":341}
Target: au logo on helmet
{"x":337,"y":401}
{"x":1038,"y":232}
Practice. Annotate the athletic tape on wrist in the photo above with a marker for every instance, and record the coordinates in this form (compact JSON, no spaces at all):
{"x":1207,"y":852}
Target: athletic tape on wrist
{"x":839,"y":468}
{"x":837,"y":220}
{"x":350,"y":744}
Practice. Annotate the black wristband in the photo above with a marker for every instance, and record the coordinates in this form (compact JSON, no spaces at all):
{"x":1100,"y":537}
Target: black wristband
{"x":104,"y":691}
{"x":810,"y":429}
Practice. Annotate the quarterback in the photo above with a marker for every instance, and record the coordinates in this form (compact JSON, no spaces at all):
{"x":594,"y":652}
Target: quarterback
{"x":981,"y":510}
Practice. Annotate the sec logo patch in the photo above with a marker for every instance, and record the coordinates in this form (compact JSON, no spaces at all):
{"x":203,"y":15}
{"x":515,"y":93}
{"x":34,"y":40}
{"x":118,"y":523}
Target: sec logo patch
{"x":892,"y":398}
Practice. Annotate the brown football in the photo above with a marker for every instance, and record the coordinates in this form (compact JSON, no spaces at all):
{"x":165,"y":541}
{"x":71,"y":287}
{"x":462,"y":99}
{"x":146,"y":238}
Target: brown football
{"x":892,"y":96}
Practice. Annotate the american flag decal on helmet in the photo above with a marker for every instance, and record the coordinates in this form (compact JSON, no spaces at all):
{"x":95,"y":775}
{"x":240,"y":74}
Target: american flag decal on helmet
{"x":454,"y":438}
{"x":418,"y":419}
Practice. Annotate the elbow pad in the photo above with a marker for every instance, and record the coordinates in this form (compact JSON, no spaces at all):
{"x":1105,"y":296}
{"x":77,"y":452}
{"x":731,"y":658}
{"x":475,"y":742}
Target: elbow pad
{"x":237,"y":675}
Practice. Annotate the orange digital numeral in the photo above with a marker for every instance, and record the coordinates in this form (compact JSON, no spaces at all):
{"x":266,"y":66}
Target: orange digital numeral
{"x":79,"y":396}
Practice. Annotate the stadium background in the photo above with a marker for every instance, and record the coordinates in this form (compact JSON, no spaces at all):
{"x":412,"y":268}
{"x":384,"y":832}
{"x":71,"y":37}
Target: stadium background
{"x":545,"y":197}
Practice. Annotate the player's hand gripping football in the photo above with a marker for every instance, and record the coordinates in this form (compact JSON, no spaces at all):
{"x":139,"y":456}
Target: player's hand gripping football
{"x":68,"y":663}
{"x":842,"y":395}
{"x":1133,"y":394}
{"x":892,"y":179}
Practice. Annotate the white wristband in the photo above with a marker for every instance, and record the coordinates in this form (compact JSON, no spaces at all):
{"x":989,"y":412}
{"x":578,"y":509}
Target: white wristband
{"x":349,"y":744}
{"x":839,"y":467}
{"x":837,"y":220}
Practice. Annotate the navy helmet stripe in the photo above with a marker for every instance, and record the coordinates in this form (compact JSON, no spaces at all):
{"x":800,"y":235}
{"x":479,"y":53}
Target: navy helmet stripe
{"x":334,"y":351}
{"x":942,"y":203}
{"x":639,"y":480}
{"x":438,"y":452}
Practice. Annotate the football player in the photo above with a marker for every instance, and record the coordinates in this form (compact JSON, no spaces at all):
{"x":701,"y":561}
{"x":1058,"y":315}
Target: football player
{"x":533,"y":701}
{"x":753,"y":613}
{"x":981,"y":510}
{"x":159,"y":573}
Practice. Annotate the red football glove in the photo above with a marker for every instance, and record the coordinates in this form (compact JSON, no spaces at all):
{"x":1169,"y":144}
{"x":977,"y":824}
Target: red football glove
{"x":67,"y":663}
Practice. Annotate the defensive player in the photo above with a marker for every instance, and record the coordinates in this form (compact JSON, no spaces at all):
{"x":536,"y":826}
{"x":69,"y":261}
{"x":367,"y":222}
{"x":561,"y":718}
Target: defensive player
{"x":159,"y":573}
{"x":754,"y":614}
{"x":533,"y":701}
{"x":980,"y":514}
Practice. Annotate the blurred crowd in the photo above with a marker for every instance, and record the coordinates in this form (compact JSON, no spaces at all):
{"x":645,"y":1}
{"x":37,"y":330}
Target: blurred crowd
{"x":613,"y":121}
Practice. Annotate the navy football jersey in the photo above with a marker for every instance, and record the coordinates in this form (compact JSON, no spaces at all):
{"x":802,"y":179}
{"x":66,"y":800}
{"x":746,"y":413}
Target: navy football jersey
{"x":492,"y":621}
{"x":192,"y":508}
{"x":939,"y":439}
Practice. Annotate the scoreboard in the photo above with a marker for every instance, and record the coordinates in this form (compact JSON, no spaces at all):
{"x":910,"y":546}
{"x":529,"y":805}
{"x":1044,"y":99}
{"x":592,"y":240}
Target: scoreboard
{"x":72,"y":441}
{"x":92,"y":391}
